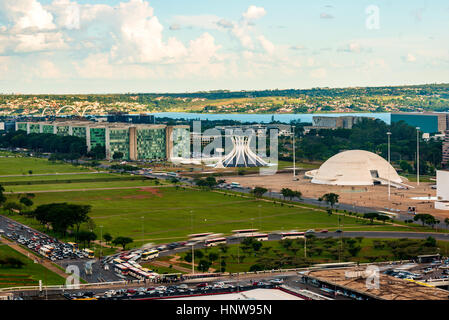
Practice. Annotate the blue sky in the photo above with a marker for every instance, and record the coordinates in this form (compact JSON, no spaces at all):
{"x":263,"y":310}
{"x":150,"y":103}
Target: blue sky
{"x":87,"y":46}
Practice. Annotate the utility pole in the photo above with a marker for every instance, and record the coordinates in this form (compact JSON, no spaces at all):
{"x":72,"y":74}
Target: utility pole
{"x":389,"y":181}
{"x":417,"y":154}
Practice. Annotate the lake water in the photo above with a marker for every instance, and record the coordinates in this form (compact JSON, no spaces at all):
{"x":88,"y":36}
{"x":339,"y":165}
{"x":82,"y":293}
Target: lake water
{"x":265,"y":118}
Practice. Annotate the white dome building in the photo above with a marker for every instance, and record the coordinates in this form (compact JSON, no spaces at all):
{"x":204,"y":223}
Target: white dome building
{"x":355,"y":168}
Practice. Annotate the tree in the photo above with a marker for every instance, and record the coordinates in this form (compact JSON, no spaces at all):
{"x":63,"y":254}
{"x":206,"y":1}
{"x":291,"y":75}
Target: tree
{"x":12,"y":207}
{"x":86,"y":236}
{"x":223,"y":266}
{"x":259,"y":191}
{"x":107,"y":237}
{"x":213,"y":256}
{"x":446,"y":222}
{"x":122,"y":241}
{"x":330,"y":198}
{"x":2,"y":196}
{"x":62,"y":216}
{"x":204,"y":265}
{"x":383,"y":218}
{"x":286,"y":193}
{"x":26,"y":201}
{"x":371,"y":216}
{"x":424,"y":218}
{"x":117,"y":155}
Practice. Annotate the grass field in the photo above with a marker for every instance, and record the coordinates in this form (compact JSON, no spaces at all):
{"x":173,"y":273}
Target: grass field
{"x":84,"y":176}
{"x":79,"y":186}
{"x":28,"y":275}
{"x":21,"y":165}
{"x":318,"y":251}
{"x":166,"y":214}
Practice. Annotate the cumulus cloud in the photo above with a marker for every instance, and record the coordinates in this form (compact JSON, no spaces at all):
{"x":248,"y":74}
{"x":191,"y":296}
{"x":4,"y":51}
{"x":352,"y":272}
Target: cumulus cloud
{"x":254,"y":13}
{"x":26,"y":14}
{"x":267,"y":45}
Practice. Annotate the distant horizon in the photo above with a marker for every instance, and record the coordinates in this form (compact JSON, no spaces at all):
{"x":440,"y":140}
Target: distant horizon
{"x":228,"y":90}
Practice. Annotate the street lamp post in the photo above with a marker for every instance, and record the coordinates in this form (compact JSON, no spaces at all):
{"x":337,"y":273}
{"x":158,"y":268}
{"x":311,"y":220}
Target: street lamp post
{"x":417,"y":154}
{"x":193,"y":252}
{"x":389,"y":181}
{"x":294,"y":154}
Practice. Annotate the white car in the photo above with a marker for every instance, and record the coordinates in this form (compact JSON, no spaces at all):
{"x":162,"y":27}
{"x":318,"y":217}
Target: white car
{"x":219,"y":285}
{"x":161,"y":288}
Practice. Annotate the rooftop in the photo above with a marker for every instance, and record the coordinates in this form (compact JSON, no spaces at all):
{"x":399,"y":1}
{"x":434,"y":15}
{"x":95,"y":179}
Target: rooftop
{"x":390,"y":288}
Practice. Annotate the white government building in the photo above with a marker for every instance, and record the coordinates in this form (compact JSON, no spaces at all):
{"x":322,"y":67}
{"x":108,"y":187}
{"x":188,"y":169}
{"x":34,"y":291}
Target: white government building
{"x":442,"y":202}
{"x":356,"y":168}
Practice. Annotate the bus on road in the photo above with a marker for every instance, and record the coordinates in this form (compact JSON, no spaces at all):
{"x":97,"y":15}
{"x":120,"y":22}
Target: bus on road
{"x":244,"y":231}
{"x":258,"y":237}
{"x":90,"y":254}
{"x":148,"y":255}
{"x":215,"y":242}
{"x":292,"y":235}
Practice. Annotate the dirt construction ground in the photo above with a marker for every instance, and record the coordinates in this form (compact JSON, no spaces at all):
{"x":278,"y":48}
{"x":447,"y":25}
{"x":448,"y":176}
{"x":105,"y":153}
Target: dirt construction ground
{"x":369,"y":196}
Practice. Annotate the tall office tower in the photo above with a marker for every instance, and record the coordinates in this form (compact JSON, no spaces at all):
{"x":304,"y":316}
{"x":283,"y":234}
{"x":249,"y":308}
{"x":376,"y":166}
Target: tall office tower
{"x":178,"y":142}
{"x":445,"y":161}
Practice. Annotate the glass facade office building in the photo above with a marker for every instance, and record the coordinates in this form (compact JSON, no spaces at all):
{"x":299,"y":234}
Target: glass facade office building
{"x":35,"y":128}
{"x":134,"y":141}
{"x":79,"y":132}
{"x":119,"y":142}
{"x":97,"y":137}
{"x":151,"y":143}
{"x":62,"y":130}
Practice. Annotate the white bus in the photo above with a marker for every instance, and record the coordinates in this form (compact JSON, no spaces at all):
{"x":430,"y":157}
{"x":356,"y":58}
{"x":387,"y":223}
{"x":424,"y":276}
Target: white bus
{"x":148,"y":255}
{"x":235,"y":185}
{"x":199,"y":236}
{"x":292,"y":235}
{"x":244,"y":231}
{"x":215,"y":242}
{"x":259,"y":237}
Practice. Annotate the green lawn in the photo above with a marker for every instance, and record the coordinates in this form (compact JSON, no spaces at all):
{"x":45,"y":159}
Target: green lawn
{"x":78,"y":185}
{"x":318,"y":251}
{"x":21,"y":165}
{"x":28,"y":275}
{"x":84,"y":176}
{"x":168,"y":213}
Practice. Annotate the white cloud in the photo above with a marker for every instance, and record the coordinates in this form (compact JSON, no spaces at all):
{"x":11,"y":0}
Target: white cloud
{"x":254,"y":13}
{"x":26,"y":14}
{"x":267,"y":45}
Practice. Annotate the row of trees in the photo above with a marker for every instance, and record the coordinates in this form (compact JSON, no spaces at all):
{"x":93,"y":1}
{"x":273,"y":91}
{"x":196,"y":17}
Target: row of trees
{"x":371,"y":135}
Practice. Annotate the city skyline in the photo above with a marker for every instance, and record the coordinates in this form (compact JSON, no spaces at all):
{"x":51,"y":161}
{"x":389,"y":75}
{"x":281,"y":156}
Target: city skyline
{"x":83,"y":46}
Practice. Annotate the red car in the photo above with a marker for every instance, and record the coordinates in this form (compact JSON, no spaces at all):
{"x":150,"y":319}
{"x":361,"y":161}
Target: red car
{"x":324,"y":231}
{"x":202,"y":285}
